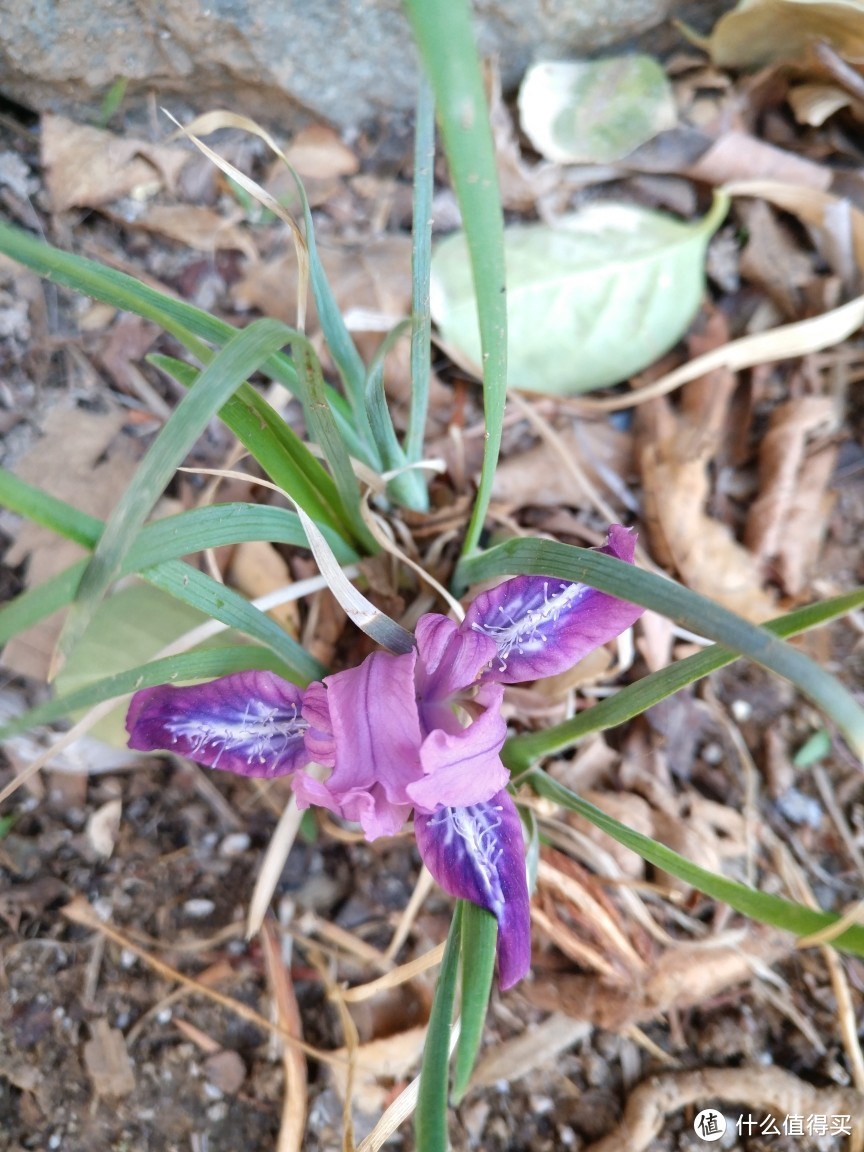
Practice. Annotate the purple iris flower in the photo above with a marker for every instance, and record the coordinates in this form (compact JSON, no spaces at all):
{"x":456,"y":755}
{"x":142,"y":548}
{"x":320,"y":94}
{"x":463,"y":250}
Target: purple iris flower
{"x":422,"y":731}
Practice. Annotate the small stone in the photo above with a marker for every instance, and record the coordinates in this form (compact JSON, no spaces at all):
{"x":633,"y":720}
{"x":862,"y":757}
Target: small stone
{"x":742,"y":710}
{"x":198,"y":908}
{"x":235,"y":844}
{"x":225,"y":1072}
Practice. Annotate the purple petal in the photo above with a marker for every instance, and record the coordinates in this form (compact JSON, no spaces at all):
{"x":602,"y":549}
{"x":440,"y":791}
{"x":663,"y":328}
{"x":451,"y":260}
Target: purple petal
{"x":367,"y":724}
{"x":542,"y":625}
{"x":477,"y":854}
{"x":248,"y":723}
{"x":463,"y":767}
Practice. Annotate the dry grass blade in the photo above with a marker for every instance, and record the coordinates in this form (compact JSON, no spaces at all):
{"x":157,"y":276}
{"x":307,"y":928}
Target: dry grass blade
{"x":79,"y":911}
{"x":210,"y":123}
{"x":784,"y":343}
{"x":400,"y":975}
{"x":363,"y":612}
{"x":281,"y":843}
{"x":294,"y":1100}
{"x":401,"y":1108}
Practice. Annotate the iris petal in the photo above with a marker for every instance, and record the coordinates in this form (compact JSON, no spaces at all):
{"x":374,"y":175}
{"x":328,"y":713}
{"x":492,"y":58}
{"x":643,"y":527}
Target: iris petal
{"x":366,"y":722}
{"x":463,"y":767}
{"x":542,"y":626}
{"x":248,"y":723}
{"x":477,"y":853}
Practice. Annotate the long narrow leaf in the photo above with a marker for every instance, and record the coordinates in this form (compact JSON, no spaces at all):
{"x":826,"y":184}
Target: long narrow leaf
{"x":445,"y":40}
{"x":479,"y":933}
{"x":49,"y":511}
{"x":241,"y":356}
{"x":276,"y":447}
{"x":421,"y":269}
{"x":547,"y":558}
{"x":757,"y":905}
{"x":521,"y":752}
{"x":190,"y":325}
{"x":430,"y":1119}
{"x":221,"y":603}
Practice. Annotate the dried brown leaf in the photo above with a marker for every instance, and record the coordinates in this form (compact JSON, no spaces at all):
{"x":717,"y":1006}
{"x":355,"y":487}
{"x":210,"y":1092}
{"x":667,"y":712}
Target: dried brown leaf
{"x":738,"y":156}
{"x":256,"y":569}
{"x":684,"y":977}
{"x":203,"y":229}
{"x":705,"y":553}
{"x":86,"y":167}
{"x":760,"y":32}
{"x":317,"y":153}
{"x":107,"y":1061}
{"x":788,"y":519}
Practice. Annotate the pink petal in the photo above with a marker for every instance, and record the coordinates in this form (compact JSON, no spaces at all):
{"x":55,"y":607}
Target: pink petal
{"x":366,"y":721}
{"x":477,"y":853}
{"x":464,"y":767}
{"x":248,"y":723}
{"x":542,"y":625}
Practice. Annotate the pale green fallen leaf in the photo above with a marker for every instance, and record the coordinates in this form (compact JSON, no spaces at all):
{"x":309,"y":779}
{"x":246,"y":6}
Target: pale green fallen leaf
{"x":595,"y":111}
{"x":760,"y":32}
{"x":590,"y":302}
{"x":129,"y":628}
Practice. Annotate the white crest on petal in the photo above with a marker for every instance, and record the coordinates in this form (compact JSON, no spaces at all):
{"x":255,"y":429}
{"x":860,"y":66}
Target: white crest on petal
{"x":262,"y":734}
{"x":520,"y":627}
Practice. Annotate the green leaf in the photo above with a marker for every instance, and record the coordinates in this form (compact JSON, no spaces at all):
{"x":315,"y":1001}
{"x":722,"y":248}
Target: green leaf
{"x":757,"y":905}
{"x":241,"y":356}
{"x":595,"y":111}
{"x":277,"y":448}
{"x":687,"y":608}
{"x":430,"y":1118}
{"x":421,"y":267}
{"x":445,"y":41}
{"x":521,"y":752}
{"x":479,"y":934}
{"x":191,"y":326}
{"x":592,"y":301}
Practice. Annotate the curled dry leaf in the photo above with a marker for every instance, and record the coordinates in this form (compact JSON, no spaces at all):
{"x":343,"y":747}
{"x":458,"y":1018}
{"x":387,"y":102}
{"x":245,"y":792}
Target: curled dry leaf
{"x":704,"y":552}
{"x":787,"y":521}
{"x":86,"y":167}
{"x":595,"y":111}
{"x":760,"y":32}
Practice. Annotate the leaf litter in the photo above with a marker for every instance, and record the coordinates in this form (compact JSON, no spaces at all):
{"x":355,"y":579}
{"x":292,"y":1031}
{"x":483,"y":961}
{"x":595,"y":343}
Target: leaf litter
{"x":746,"y":475}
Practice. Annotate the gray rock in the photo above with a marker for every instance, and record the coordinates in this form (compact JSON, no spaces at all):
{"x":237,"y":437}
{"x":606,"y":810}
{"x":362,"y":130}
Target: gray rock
{"x":347,"y":61}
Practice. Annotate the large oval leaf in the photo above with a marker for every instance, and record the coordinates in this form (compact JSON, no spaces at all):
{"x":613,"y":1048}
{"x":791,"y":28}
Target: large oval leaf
{"x":590,"y":302}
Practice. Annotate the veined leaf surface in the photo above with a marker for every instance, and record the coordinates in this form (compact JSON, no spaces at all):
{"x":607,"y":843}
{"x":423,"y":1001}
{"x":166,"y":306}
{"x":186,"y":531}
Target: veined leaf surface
{"x":590,"y":302}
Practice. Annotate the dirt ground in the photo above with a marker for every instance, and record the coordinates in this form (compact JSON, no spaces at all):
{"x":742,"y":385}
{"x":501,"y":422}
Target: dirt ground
{"x":134,"y":1013}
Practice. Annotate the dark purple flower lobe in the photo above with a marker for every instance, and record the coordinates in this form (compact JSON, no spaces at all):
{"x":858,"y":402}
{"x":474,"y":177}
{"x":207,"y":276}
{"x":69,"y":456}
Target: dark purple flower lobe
{"x":542,"y":625}
{"x":477,"y":854}
{"x":248,"y":723}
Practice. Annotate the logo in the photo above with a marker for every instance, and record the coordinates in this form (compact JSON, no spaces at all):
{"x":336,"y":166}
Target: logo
{"x":709,"y":1124}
